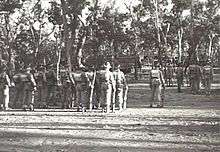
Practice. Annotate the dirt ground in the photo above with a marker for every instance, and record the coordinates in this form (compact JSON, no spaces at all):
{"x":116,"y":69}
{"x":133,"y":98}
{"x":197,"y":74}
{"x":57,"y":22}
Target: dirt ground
{"x":186,"y":123}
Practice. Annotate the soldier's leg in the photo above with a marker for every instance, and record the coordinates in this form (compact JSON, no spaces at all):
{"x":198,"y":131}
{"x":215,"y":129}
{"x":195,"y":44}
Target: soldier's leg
{"x":31,"y":99}
{"x":6,"y":98}
{"x":120,"y":98}
{"x":158,"y":95}
{"x":108,"y":99}
{"x":78,"y":99}
{"x":1,"y":99}
{"x":153,"y":91}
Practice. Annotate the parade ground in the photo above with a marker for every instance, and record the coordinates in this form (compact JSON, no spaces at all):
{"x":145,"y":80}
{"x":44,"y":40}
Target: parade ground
{"x":186,"y":123}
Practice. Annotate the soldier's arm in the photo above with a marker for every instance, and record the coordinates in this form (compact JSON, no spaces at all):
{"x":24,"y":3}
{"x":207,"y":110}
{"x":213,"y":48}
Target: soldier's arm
{"x":71,"y":79}
{"x":162,"y":79}
{"x":33,"y":80}
{"x":112,"y":80}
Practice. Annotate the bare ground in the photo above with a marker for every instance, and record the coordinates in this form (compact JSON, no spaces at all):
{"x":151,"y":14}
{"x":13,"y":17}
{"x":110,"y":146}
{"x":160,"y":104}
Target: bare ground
{"x":187,"y":123}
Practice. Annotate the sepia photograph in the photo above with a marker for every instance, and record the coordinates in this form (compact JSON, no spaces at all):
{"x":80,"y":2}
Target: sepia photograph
{"x":109,"y":76}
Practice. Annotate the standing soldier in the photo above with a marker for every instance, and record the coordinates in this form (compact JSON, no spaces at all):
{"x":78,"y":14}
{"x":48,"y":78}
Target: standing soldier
{"x":195,"y":74}
{"x":41,"y":85}
{"x":107,"y":85}
{"x":121,"y":88}
{"x":156,"y":84}
{"x":4,"y":88}
{"x":179,"y":77}
{"x":51,"y":86}
{"x":82,"y":85}
{"x":67,"y":89}
{"x":207,"y":74}
{"x":29,"y":90}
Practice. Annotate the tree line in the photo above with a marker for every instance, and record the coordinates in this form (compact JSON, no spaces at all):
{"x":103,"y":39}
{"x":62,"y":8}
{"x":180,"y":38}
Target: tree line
{"x":68,"y":32}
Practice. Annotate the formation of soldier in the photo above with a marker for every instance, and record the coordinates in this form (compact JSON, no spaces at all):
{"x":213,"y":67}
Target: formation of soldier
{"x":84,"y":88}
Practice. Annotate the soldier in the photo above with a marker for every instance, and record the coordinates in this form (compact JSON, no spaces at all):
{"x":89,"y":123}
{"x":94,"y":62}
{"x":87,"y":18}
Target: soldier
{"x":29,"y":90}
{"x":67,"y":89}
{"x":207,"y":73}
{"x":156,"y":84}
{"x":4,"y":88}
{"x":41,"y":85}
{"x":195,"y":74}
{"x":179,"y":77}
{"x":82,"y":85}
{"x":121,"y":87}
{"x":51,"y":86}
{"x":107,"y":85}
{"x":19,"y":86}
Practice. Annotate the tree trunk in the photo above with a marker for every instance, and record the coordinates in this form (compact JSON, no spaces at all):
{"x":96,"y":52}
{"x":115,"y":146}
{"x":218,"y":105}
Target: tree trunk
{"x":68,"y":41}
{"x":180,"y":36}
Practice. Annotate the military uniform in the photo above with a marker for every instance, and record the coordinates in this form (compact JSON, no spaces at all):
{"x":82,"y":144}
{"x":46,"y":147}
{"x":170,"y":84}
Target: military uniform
{"x":207,"y":73}
{"x":107,"y":85}
{"x":195,"y":75}
{"x":156,"y":84}
{"x":81,"y":80}
{"x":41,"y":87}
{"x":179,"y":77}
{"x":121,"y":89}
{"x":4,"y":90}
{"x":51,"y":86}
{"x":29,"y":91}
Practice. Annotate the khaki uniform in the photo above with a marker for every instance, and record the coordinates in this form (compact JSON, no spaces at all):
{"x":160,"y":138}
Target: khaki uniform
{"x":4,"y":90}
{"x":195,"y":75}
{"x":19,"y":89}
{"x":156,"y":83}
{"x":107,"y":85}
{"x":29,"y":90}
{"x":82,"y":89}
{"x":121,"y":89}
{"x":207,"y":73}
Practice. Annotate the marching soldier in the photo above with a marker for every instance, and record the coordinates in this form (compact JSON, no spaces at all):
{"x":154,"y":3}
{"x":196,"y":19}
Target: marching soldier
{"x":156,"y":84}
{"x":67,"y":90}
{"x":51,"y":86}
{"x":41,"y":85}
{"x":29,"y":90}
{"x":121,"y":88}
{"x":107,"y":85}
{"x":82,"y":85}
{"x":179,"y":77}
{"x":4,"y":88}
{"x":207,"y":74}
{"x":195,"y":74}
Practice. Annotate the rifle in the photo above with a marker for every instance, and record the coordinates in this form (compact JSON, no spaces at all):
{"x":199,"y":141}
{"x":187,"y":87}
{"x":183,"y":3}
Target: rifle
{"x":92,"y":90}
